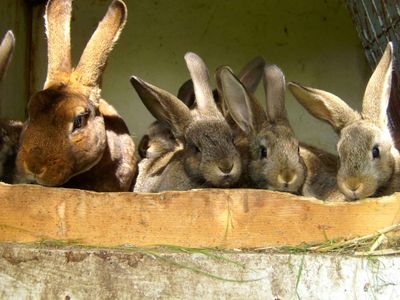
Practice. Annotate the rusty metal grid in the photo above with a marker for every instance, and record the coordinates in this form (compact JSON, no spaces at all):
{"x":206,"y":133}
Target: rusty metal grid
{"x":377,"y":22}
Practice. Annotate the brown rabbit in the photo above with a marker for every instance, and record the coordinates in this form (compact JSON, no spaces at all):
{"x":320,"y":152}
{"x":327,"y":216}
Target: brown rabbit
{"x":369,"y":161}
{"x":73,"y":137}
{"x":272,"y":156}
{"x":208,"y":157}
{"x":9,"y":129}
{"x":159,"y":138}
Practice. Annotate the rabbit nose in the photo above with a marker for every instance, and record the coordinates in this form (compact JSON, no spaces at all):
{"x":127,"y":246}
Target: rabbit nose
{"x":35,"y":169}
{"x":35,"y":162}
{"x":353,"y":186}
{"x":287,"y":178}
{"x":226,"y":167}
{"x":35,"y":152}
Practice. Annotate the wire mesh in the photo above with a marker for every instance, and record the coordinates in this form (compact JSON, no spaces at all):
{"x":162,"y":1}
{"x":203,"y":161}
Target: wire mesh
{"x":378,"y":22}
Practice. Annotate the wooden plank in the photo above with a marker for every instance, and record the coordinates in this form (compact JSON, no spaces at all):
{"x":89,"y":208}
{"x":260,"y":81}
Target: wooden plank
{"x":236,"y":218}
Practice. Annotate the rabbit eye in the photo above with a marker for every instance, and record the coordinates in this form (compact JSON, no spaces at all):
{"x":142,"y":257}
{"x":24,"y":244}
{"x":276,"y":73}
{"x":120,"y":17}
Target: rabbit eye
{"x":375,"y":152}
{"x":197,"y":149}
{"x":80,"y":121}
{"x":171,"y":136}
{"x":263,"y":152}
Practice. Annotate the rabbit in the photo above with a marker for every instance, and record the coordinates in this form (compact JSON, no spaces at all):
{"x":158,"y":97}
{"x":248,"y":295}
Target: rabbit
{"x":9,"y":129}
{"x":159,"y":139}
{"x":72,"y":137}
{"x":208,"y":157}
{"x":369,"y":161}
{"x":272,"y":156}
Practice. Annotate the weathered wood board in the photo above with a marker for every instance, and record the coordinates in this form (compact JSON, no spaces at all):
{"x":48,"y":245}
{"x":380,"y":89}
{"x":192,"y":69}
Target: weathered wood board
{"x":235,"y":218}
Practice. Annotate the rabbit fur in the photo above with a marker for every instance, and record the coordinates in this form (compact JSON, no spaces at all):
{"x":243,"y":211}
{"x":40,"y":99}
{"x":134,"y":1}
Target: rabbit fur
{"x":369,"y":161}
{"x":208,"y":157}
{"x":159,"y":139}
{"x":272,"y":156}
{"x":73,"y":137}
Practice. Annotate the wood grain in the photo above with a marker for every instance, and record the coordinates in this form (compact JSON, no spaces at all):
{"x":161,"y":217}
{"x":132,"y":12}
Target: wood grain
{"x":235,"y":218}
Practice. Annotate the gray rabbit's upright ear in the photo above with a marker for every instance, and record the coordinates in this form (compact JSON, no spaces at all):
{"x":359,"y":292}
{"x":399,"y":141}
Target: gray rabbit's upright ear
{"x":274,"y":87}
{"x":6,"y":51}
{"x":186,"y":93}
{"x":57,"y":20}
{"x":252,"y":73}
{"x":377,"y":92}
{"x":164,"y":106}
{"x":324,"y":106}
{"x":202,"y":86}
{"x":237,"y":100}
{"x":94,"y":57}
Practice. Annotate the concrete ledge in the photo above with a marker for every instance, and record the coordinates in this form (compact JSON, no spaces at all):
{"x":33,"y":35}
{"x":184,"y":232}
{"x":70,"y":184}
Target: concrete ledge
{"x":29,"y":272}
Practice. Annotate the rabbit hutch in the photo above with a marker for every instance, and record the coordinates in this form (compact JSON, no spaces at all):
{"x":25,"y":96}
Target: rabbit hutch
{"x":204,"y":243}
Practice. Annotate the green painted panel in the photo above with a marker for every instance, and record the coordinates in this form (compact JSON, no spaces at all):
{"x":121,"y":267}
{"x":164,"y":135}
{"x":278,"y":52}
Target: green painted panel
{"x":14,"y":88}
{"x":314,"y":42}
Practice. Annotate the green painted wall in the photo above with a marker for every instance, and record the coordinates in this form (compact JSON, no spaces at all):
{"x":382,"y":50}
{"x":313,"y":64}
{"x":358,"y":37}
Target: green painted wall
{"x":313,"y":41}
{"x":14,"y":90}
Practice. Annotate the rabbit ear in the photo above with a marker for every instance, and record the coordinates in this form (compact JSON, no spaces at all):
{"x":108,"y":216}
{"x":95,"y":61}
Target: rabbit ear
{"x":57,"y":20}
{"x":274,"y":87}
{"x":377,"y":93}
{"x":202,"y":86}
{"x":324,"y":105}
{"x":236,"y":99}
{"x":93,"y":60}
{"x":252,"y":73}
{"x":6,"y":51}
{"x":164,"y":106}
{"x":186,"y":93}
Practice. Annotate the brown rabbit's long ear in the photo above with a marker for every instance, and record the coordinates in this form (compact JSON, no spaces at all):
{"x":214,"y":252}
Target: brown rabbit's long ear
{"x":239,"y":103}
{"x":274,"y":87}
{"x":6,"y":51}
{"x":377,"y":92}
{"x":186,"y":93}
{"x":252,"y":73}
{"x":164,"y":106}
{"x":57,"y":20}
{"x":202,"y":86}
{"x":93,"y":60}
{"x":324,"y":106}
